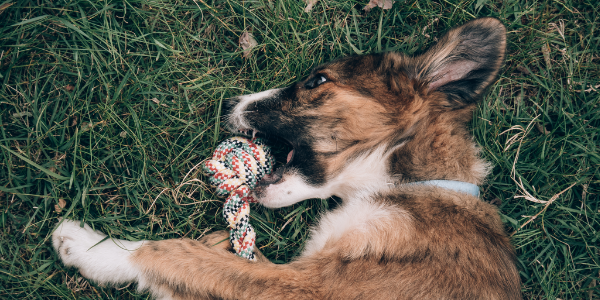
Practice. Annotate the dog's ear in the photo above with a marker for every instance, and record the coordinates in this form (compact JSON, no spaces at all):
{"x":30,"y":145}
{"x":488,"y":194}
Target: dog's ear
{"x":465,"y":61}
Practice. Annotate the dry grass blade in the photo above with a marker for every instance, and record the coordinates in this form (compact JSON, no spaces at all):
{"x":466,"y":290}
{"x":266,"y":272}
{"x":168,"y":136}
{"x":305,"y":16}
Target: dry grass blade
{"x":545,"y":207}
{"x":5,"y":5}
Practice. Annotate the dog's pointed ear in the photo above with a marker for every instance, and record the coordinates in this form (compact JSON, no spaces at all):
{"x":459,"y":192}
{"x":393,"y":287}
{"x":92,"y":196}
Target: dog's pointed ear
{"x":465,"y":61}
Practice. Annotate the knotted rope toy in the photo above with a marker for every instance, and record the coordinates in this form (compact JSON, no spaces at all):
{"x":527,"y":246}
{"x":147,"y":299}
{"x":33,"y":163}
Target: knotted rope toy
{"x":236,"y":166}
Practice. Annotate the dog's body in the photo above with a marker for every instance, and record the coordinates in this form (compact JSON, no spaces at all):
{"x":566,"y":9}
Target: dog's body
{"x":363,"y":128}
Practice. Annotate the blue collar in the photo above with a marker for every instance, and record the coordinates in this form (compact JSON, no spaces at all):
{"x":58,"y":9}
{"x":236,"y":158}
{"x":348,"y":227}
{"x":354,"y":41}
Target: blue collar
{"x":459,"y":186}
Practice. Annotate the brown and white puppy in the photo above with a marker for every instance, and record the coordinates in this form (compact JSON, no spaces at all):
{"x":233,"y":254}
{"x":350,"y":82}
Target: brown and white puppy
{"x":363,"y":128}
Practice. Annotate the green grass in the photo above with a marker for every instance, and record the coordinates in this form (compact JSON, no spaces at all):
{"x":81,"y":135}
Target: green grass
{"x":108,"y":105}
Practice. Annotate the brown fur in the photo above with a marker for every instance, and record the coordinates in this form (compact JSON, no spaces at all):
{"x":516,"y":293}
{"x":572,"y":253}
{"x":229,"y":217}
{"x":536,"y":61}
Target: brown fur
{"x":452,"y":244}
{"x":423,"y":242}
{"x":447,"y":239}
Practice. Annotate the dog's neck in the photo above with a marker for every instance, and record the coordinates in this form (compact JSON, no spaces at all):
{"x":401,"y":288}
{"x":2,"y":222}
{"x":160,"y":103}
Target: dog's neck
{"x":439,"y":152}
{"x":409,"y":164}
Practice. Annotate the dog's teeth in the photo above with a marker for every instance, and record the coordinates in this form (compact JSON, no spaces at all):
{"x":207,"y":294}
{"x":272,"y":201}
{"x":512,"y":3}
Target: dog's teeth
{"x":248,"y":132}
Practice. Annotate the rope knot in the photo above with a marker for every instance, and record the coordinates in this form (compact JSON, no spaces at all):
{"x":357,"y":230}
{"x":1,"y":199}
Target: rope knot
{"x":237,"y":165}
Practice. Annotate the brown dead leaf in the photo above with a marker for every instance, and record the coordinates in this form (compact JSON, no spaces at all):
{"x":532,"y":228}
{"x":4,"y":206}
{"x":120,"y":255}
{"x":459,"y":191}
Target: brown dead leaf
{"x":61,"y":204}
{"x":310,"y":4}
{"x":69,"y":87}
{"x":541,"y":128}
{"x":247,"y":42}
{"x":158,"y":102}
{"x":85,"y":126}
{"x":384,"y":4}
{"x":523,"y":70}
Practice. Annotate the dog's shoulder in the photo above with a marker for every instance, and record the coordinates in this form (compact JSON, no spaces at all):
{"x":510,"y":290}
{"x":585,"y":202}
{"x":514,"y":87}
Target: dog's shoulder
{"x":432,"y":238}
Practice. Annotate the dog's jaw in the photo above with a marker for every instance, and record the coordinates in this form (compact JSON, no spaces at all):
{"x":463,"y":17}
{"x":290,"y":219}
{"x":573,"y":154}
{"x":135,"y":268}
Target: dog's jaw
{"x":291,"y":188}
{"x":365,"y":175}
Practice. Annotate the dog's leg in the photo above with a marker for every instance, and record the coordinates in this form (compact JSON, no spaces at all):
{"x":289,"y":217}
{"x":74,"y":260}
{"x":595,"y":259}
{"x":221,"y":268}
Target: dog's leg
{"x":220,"y":240}
{"x":189,"y":269}
{"x":178,"y":268}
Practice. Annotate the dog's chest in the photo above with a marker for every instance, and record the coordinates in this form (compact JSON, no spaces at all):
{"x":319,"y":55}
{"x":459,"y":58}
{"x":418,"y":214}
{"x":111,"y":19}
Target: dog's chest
{"x":357,"y":217}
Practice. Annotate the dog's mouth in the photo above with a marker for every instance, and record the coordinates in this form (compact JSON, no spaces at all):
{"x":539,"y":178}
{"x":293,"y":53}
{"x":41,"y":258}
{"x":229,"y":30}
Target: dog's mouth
{"x":281,"y":146}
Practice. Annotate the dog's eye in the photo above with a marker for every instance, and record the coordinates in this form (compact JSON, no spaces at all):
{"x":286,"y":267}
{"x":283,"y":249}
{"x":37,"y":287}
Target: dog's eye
{"x":315,"y":82}
{"x":321,"y":80}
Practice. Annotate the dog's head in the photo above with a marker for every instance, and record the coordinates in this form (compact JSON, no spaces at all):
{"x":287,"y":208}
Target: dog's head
{"x":361,"y":124}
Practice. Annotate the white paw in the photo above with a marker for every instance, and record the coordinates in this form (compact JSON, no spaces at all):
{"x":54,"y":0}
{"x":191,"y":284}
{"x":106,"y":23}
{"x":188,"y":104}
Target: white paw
{"x":106,"y":262}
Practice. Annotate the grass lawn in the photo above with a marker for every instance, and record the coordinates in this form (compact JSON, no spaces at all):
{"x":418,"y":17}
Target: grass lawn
{"x":107,"y":108}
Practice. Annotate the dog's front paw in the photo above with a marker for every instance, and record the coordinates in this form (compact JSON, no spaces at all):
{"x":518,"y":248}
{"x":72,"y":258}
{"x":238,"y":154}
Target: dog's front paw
{"x":72,"y":243}
{"x":102,"y":261}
